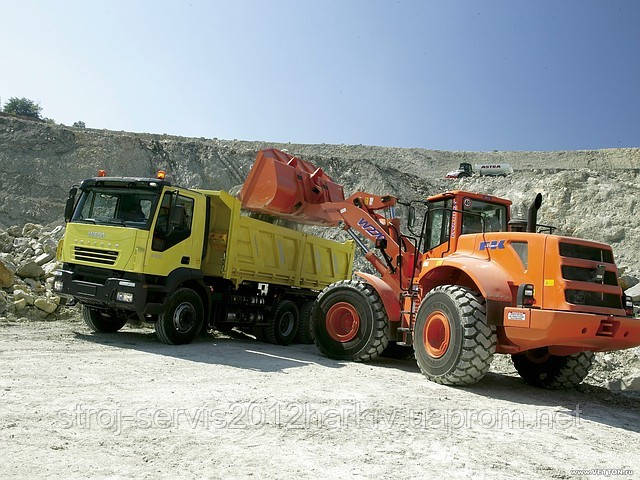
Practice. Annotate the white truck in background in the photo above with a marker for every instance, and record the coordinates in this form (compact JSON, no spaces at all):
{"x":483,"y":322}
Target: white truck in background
{"x":484,"y":169}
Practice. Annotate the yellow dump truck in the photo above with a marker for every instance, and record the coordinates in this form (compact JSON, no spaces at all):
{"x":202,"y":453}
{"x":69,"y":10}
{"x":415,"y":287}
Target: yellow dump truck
{"x":189,"y":260}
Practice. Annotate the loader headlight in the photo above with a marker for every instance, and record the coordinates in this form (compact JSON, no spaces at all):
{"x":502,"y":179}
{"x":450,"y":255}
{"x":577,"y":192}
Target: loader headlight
{"x":627,"y":304}
{"x":525,"y":296}
{"x":124,"y":297}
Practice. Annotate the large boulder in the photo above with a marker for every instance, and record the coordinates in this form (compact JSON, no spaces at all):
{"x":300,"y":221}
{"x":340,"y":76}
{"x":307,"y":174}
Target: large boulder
{"x":30,"y":269}
{"x":45,"y":304}
{"x":6,"y":275}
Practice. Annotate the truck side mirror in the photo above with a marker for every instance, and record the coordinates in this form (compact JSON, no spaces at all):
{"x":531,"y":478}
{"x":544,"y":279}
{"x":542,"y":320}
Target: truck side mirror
{"x":411,"y":216}
{"x":71,"y":202}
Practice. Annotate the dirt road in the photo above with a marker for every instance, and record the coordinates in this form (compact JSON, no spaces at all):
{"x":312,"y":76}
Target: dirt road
{"x":75,"y":404}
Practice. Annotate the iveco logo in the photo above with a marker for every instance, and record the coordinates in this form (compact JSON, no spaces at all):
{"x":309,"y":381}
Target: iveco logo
{"x":96,"y":234}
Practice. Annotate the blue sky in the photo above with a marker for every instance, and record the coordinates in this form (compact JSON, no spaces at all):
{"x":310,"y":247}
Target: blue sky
{"x":454,"y":75}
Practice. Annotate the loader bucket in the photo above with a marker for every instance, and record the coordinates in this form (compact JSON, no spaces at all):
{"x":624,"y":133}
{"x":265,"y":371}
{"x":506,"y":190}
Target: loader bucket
{"x":284,"y":186}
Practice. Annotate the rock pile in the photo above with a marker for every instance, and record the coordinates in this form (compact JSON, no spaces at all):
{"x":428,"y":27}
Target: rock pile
{"x":27,"y":262}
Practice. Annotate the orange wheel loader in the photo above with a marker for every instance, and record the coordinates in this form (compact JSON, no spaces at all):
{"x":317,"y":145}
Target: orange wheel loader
{"x":464,"y":283}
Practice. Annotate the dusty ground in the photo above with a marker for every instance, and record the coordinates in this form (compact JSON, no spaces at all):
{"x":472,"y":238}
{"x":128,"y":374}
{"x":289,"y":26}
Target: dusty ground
{"x":75,"y":404}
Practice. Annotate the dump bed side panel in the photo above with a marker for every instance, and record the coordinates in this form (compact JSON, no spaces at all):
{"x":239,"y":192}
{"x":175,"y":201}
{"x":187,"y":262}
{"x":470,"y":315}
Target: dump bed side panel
{"x":243,"y":248}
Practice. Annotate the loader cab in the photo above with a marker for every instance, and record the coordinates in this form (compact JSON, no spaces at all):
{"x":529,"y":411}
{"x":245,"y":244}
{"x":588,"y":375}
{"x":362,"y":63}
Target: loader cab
{"x":456,"y":213}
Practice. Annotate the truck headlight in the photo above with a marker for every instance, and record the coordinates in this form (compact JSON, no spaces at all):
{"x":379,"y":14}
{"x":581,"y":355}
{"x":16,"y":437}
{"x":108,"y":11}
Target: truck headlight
{"x":57,"y":285}
{"x":124,"y":297}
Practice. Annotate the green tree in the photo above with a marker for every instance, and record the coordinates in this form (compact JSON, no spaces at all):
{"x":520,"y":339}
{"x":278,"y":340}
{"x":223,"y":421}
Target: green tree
{"x":22,"y":106}
{"x":79,"y":124}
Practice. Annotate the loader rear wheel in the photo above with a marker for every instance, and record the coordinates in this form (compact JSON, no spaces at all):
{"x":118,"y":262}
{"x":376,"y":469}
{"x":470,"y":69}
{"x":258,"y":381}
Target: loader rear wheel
{"x":305,"y":329}
{"x":283,"y":323}
{"x":541,"y":369}
{"x":182,"y":319}
{"x":102,"y":320}
{"x":453,"y":342}
{"x":350,"y":322}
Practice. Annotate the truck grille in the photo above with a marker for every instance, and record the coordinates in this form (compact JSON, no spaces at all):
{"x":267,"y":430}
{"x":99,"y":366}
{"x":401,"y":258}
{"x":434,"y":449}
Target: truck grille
{"x":95,"y":255}
{"x":582,"y":274}
{"x":594,"y":299}
{"x":596,"y":254}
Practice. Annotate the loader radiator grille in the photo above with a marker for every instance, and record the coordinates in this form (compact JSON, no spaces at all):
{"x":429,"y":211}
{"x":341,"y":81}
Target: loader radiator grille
{"x":95,"y":255}
{"x":581,"y":274}
{"x":585,"y":252}
{"x":593,"y":299}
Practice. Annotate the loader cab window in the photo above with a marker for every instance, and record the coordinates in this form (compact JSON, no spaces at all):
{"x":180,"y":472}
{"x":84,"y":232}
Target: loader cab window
{"x":174,"y":221}
{"x":494,"y":216}
{"x":438,"y":224}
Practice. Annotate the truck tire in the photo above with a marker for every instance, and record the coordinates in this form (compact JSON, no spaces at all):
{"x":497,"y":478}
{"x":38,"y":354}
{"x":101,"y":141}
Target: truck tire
{"x":350,"y":322}
{"x":101,"y":320}
{"x":305,"y":328}
{"x":453,"y":342}
{"x":541,"y":369}
{"x":283,"y":323}
{"x":182,"y":319}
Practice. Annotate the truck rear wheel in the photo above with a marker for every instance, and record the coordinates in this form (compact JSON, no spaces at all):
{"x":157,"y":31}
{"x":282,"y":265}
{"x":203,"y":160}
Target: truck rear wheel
{"x":453,"y":342}
{"x":283,"y":323}
{"x":305,"y":329}
{"x":541,"y":369}
{"x":102,"y":320}
{"x":182,"y":319}
{"x":350,"y":322}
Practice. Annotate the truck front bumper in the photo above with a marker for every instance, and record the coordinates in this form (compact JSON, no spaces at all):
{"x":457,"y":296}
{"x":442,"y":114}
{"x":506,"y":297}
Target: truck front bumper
{"x":114,"y":293}
{"x":566,"y":332}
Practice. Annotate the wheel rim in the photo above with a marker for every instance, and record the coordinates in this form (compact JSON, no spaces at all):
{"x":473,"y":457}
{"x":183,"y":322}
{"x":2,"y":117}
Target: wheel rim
{"x":437,"y":334}
{"x":184,"y":317}
{"x":343,"y":322}
{"x":287,"y":321}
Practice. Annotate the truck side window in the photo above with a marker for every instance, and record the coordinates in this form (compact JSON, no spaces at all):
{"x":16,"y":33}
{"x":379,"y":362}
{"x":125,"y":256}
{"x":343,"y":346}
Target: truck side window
{"x":174,"y":221}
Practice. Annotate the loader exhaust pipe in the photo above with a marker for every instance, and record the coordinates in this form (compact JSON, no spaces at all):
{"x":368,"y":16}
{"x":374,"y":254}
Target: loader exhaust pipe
{"x":532,"y":217}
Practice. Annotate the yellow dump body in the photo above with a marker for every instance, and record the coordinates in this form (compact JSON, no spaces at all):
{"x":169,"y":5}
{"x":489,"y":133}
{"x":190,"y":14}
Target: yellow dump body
{"x":241,"y":248}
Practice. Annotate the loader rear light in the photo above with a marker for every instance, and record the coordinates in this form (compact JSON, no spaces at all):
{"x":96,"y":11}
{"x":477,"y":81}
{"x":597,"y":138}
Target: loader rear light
{"x":627,"y":303}
{"x":102,"y":173}
{"x":525,"y":296}
{"x":161,"y":174}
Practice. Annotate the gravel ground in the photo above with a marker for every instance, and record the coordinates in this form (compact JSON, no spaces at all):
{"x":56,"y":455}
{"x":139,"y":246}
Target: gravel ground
{"x":74,"y":404}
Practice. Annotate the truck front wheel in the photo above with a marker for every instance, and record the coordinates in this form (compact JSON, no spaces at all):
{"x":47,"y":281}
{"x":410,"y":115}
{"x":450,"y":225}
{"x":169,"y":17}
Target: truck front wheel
{"x":350,"y":322}
{"x":182,"y":319}
{"x":453,"y":342}
{"x":541,"y":369}
{"x":103,"y":321}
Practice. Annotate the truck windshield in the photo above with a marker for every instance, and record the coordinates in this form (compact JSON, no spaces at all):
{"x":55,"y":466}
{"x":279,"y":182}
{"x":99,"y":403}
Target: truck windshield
{"x":127,"y":207}
{"x":494,"y":215}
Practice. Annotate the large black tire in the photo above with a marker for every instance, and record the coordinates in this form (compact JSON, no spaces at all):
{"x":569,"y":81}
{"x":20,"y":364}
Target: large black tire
{"x":541,"y":369}
{"x":305,"y":329}
{"x":182,"y":319}
{"x":453,"y":342}
{"x":102,"y":320}
{"x":283,"y":323}
{"x":350,"y":322}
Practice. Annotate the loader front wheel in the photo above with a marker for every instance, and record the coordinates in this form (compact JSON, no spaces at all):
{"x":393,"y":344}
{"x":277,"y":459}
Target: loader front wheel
{"x":101,"y":320}
{"x":541,"y":369}
{"x":350,"y":322}
{"x":182,"y":319}
{"x":453,"y":342}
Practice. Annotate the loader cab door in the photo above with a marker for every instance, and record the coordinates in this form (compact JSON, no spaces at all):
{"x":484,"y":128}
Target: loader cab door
{"x":176,"y":239}
{"x":437,"y":232}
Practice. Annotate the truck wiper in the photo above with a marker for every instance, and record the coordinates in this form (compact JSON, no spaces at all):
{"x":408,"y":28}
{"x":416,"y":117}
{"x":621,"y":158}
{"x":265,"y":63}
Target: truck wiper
{"x":86,"y":220}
